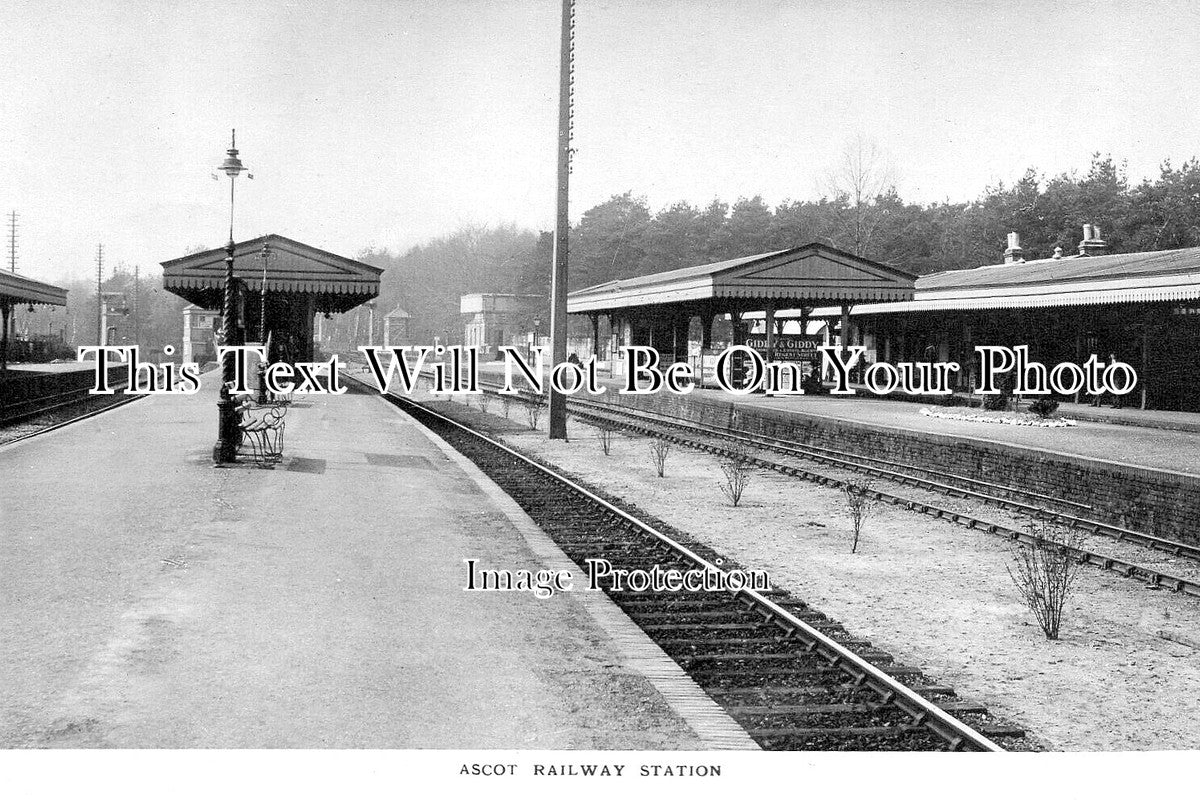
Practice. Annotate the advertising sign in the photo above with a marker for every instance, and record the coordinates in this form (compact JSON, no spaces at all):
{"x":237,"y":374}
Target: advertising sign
{"x":788,"y":346}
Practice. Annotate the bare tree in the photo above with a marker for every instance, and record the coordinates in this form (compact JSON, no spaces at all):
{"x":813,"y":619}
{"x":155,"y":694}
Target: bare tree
{"x":506,"y":401}
{"x":863,"y":173}
{"x":860,"y":502}
{"x":1045,"y":572}
{"x":484,"y":400}
{"x":659,"y":448}
{"x":737,"y":470}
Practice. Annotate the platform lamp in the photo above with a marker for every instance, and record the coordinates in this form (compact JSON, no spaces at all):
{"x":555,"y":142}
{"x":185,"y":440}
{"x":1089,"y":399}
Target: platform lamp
{"x":266,"y":254}
{"x":225,"y":450}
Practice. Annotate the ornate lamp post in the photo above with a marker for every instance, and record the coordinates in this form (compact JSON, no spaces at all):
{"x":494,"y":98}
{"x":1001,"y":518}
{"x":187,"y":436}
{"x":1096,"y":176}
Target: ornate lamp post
{"x":262,"y":323}
{"x":225,"y":450}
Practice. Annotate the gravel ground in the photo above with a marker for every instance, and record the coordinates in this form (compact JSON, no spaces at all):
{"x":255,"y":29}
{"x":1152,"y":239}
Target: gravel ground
{"x":935,"y":594}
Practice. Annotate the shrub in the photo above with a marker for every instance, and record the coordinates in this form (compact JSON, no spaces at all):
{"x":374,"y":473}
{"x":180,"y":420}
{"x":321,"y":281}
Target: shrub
{"x":659,"y":448}
{"x":737,"y":471}
{"x":506,"y":401}
{"x":860,"y":501}
{"x":1044,"y":573}
{"x":605,"y":431}
{"x":533,"y":410}
{"x":485,"y":400}
{"x":1044,"y":406}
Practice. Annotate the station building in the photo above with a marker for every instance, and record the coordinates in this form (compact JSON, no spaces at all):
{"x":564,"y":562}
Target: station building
{"x":491,"y":320}
{"x":396,"y":328}
{"x":1140,"y":308}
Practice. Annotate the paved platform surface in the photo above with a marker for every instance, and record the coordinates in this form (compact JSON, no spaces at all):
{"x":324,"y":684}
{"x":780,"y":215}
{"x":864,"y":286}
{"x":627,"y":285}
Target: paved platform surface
{"x":1128,"y":443}
{"x":150,"y":600}
{"x":1175,"y":451}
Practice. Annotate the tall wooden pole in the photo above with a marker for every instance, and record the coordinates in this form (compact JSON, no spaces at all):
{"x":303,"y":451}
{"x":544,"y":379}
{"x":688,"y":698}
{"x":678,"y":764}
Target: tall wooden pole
{"x":562,"y":226}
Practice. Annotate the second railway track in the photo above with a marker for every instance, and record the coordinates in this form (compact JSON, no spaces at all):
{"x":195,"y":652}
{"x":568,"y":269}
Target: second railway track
{"x":756,"y":448}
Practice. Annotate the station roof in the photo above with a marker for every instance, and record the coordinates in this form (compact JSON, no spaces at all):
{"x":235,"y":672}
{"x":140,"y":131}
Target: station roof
{"x":18,"y":290}
{"x":799,"y":276}
{"x":296,"y":268}
{"x":1164,"y":275}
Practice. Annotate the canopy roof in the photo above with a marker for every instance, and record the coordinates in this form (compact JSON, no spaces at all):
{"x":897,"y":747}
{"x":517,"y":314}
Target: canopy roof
{"x":340,"y":283}
{"x":799,"y":276}
{"x":1164,"y":275}
{"x":16,"y":290}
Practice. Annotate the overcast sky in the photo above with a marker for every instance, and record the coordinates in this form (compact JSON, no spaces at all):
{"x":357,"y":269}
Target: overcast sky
{"x":387,"y":123}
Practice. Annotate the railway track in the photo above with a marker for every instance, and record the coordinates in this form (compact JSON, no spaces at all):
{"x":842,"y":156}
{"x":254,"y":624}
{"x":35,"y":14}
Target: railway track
{"x":1035,"y":505}
{"x":792,"y":677}
{"x":750,"y":447}
{"x":59,"y":413}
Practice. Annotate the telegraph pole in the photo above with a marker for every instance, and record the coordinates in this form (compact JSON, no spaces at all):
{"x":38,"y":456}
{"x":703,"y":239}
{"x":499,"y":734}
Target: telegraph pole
{"x":12,"y":240}
{"x":12,"y":265}
{"x":562,"y":225}
{"x":137,"y":321}
{"x":99,"y":294}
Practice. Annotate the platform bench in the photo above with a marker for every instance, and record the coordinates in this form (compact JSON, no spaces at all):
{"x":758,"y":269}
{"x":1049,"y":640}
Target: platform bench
{"x":263,"y":426}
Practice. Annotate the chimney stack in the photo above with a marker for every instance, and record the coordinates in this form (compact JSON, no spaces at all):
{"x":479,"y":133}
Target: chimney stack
{"x":1014,"y":254}
{"x":1092,"y":244}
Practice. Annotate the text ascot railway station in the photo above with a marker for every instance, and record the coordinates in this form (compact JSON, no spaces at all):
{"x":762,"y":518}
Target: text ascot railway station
{"x":455,"y":371}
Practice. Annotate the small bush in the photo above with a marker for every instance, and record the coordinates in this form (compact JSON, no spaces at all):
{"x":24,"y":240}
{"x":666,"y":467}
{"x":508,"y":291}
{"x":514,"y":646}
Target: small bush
{"x":605,"y":431}
{"x":1044,"y":573}
{"x":506,"y":401}
{"x":860,"y":502}
{"x":534,"y":409}
{"x":737,"y":470}
{"x":484,"y":400}
{"x":659,"y":448}
{"x":1043,"y":407}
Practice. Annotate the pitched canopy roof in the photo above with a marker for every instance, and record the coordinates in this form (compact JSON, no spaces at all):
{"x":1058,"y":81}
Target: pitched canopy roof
{"x":17,"y":290}
{"x":340,"y":283}
{"x":794,"y":277}
{"x":1164,"y":275}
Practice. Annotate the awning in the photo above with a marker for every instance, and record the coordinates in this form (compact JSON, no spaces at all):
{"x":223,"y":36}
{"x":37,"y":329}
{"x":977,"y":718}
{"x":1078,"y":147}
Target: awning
{"x":17,"y":290}
{"x":293,"y":268}
{"x":1143,"y":289}
{"x":799,"y":276}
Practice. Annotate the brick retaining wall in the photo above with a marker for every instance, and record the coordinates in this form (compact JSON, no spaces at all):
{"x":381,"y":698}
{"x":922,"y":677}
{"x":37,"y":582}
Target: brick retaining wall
{"x":1140,"y":498}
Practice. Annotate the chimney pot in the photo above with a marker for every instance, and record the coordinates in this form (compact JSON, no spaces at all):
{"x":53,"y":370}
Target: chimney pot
{"x":1014,"y":253}
{"x":1092,"y":244}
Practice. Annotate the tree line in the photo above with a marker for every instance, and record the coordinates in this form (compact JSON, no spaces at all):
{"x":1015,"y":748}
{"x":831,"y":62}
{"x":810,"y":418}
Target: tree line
{"x":862,"y":212}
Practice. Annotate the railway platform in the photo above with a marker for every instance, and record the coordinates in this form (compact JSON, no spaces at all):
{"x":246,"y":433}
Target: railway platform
{"x":148,"y":599}
{"x":1157,"y":440}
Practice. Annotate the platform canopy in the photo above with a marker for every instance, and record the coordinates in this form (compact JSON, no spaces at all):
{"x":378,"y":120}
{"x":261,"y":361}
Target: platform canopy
{"x":1149,"y":277}
{"x":800,"y":276}
{"x":16,"y":290}
{"x":336,"y":283}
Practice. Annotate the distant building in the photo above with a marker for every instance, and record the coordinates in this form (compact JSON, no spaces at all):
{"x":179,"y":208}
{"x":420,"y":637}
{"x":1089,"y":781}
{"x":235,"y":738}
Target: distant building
{"x":396,"y":328}
{"x":200,"y":332}
{"x":492,"y":320}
